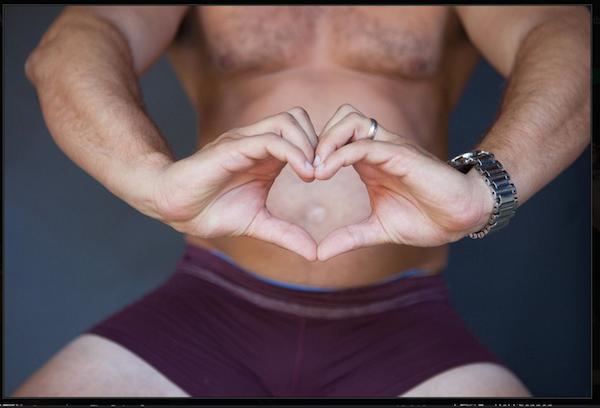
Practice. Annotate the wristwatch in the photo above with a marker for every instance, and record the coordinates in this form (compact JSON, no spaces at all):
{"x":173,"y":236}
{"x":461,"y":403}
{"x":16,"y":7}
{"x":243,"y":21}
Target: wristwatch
{"x":503,"y":190}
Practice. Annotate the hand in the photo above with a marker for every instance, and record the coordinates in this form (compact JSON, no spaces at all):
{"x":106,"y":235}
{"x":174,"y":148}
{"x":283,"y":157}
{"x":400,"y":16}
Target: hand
{"x":416,"y":198}
{"x":221,"y":190}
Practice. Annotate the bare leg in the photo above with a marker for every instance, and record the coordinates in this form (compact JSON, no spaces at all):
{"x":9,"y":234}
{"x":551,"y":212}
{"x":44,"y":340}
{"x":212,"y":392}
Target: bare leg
{"x":92,"y":366}
{"x":471,"y":380}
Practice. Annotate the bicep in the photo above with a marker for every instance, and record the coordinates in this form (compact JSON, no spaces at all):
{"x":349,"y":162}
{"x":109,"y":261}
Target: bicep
{"x":498,"y":31}
{"x":148,"y":30}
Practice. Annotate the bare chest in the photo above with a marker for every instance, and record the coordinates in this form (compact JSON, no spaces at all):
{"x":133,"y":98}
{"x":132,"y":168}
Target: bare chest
{"x":396,"y":40}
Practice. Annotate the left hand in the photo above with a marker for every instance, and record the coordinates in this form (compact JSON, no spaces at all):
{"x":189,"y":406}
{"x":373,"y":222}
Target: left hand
{"x":416,"y":199}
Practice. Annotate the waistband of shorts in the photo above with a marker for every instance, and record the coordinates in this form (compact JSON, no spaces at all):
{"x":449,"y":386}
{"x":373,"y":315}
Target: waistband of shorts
{"x":337,"y":303}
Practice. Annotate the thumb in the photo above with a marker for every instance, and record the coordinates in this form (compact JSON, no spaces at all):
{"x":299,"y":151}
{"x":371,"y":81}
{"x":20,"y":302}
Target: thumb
{"x":366,"y":233}
{"x":285,"y":234}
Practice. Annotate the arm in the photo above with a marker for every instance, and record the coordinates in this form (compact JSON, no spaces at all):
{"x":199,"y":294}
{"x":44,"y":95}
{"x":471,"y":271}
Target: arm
{"x":542,"y":126}
{"x":85,"y":72}
{"x":544,"y":120}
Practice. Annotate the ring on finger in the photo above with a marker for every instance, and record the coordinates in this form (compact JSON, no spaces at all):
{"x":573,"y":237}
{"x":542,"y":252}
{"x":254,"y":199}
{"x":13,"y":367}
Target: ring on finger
{"x":372,"y":129}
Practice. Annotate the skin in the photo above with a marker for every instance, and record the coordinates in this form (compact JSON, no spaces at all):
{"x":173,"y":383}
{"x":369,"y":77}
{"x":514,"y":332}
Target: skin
{"x":273,"y":101}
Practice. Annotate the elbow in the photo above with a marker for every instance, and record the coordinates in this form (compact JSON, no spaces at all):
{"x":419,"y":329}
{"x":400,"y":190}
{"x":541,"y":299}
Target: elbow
{"x":51,"y":54}
{"x":32,"y":66}
{"x":39,"y":55}
{"x":38,"y":63}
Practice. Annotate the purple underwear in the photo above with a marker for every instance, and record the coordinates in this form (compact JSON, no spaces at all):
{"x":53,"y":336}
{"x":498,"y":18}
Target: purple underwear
{"x":214,"y":329}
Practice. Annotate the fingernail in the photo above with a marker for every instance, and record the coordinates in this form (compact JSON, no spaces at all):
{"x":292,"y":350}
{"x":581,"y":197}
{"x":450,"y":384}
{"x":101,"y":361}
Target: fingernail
{"x":320,"y":166}
{"x":308,"y":166}
{"x":317,"y":160}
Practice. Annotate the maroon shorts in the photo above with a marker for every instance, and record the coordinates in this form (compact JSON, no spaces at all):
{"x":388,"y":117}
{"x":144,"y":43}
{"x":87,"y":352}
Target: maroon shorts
{"x":214,"y":329}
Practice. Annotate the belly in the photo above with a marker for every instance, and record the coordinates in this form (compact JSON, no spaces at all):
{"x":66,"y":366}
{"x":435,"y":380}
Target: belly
{"x":322,"y":206}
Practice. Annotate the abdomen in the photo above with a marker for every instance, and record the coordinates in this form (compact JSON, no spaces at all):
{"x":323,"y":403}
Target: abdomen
{"x":322,"y":206}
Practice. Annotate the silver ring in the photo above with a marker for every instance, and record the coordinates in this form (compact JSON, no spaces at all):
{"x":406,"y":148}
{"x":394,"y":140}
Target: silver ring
{"x":372,"y":129}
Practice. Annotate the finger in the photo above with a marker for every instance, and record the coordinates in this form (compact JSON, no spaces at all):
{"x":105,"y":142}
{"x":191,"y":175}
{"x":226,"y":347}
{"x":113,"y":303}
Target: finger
{"x":395,"y":157}
{"x":282,"y":233}
{"x":304,"y":120}
{"x":354,"y":126}
{"x":351,"y":127}
{"x":240,"y":154}
{"x":350,"y":237}
{"x":338,"y":115}
{"x":285,"y":125}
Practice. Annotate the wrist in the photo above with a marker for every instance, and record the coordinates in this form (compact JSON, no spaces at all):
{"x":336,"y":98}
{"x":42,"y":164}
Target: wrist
{"x":482,"y":199}
{"x":500,"y":185}
{"x":140,"y":188}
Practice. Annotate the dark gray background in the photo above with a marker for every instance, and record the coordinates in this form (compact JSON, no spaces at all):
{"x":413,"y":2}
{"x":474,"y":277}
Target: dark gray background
{"x":73,"y":253}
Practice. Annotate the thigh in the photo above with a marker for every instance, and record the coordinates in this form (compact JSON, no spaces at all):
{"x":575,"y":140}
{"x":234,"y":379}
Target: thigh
{"x":471,"y":380}
{"x":92,"y":366}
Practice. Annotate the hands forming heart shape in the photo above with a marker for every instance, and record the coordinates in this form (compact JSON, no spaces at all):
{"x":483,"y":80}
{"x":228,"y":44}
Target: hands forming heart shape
{"x":416,"y":199}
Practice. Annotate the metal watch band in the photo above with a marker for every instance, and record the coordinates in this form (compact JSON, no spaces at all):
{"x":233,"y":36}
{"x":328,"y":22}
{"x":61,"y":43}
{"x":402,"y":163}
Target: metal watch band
{"x":503,"y":190}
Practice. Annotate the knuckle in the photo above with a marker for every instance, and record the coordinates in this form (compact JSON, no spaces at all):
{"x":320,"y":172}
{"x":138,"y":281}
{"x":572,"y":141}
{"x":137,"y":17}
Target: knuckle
{"x":413,"y":152}
{"x":228,"y":138}
{"x":404,"y":151}
{"x":346,"y":107}
{"x":298,"y":110}
{"x":272,"y":136}
{"x":223,"y":144}
{"x":210,"y":146}
{"x":224,"y":138}
{"x":353,"y":116}
{"x":224,"y":148}
{"x":269,"y":137}
{"x":286,"y":118}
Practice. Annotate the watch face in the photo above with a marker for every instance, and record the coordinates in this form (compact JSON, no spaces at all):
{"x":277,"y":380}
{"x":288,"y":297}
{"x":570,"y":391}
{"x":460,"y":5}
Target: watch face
{"x":464,"y":162}
{"x":465,"y":157}
{"x":469,"y":155}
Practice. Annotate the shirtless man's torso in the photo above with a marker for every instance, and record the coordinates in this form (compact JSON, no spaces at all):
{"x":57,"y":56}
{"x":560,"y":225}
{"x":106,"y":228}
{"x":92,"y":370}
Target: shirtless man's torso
{"x":405,"y":66}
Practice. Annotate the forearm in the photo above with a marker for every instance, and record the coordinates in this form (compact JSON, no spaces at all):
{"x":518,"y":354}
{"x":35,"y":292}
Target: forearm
{"x":544,"y":119}
{"x":88,"y":90}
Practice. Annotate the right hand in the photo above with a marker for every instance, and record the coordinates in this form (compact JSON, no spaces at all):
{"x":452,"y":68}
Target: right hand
{"x":221,"y":190}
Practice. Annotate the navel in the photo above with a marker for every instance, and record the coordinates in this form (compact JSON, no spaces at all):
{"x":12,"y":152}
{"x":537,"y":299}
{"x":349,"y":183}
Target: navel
{"x":315,"y":214}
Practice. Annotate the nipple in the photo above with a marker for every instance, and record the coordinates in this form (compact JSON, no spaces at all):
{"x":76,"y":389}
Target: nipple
{"x":225,"y":61}
{"x":316,"y":214}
